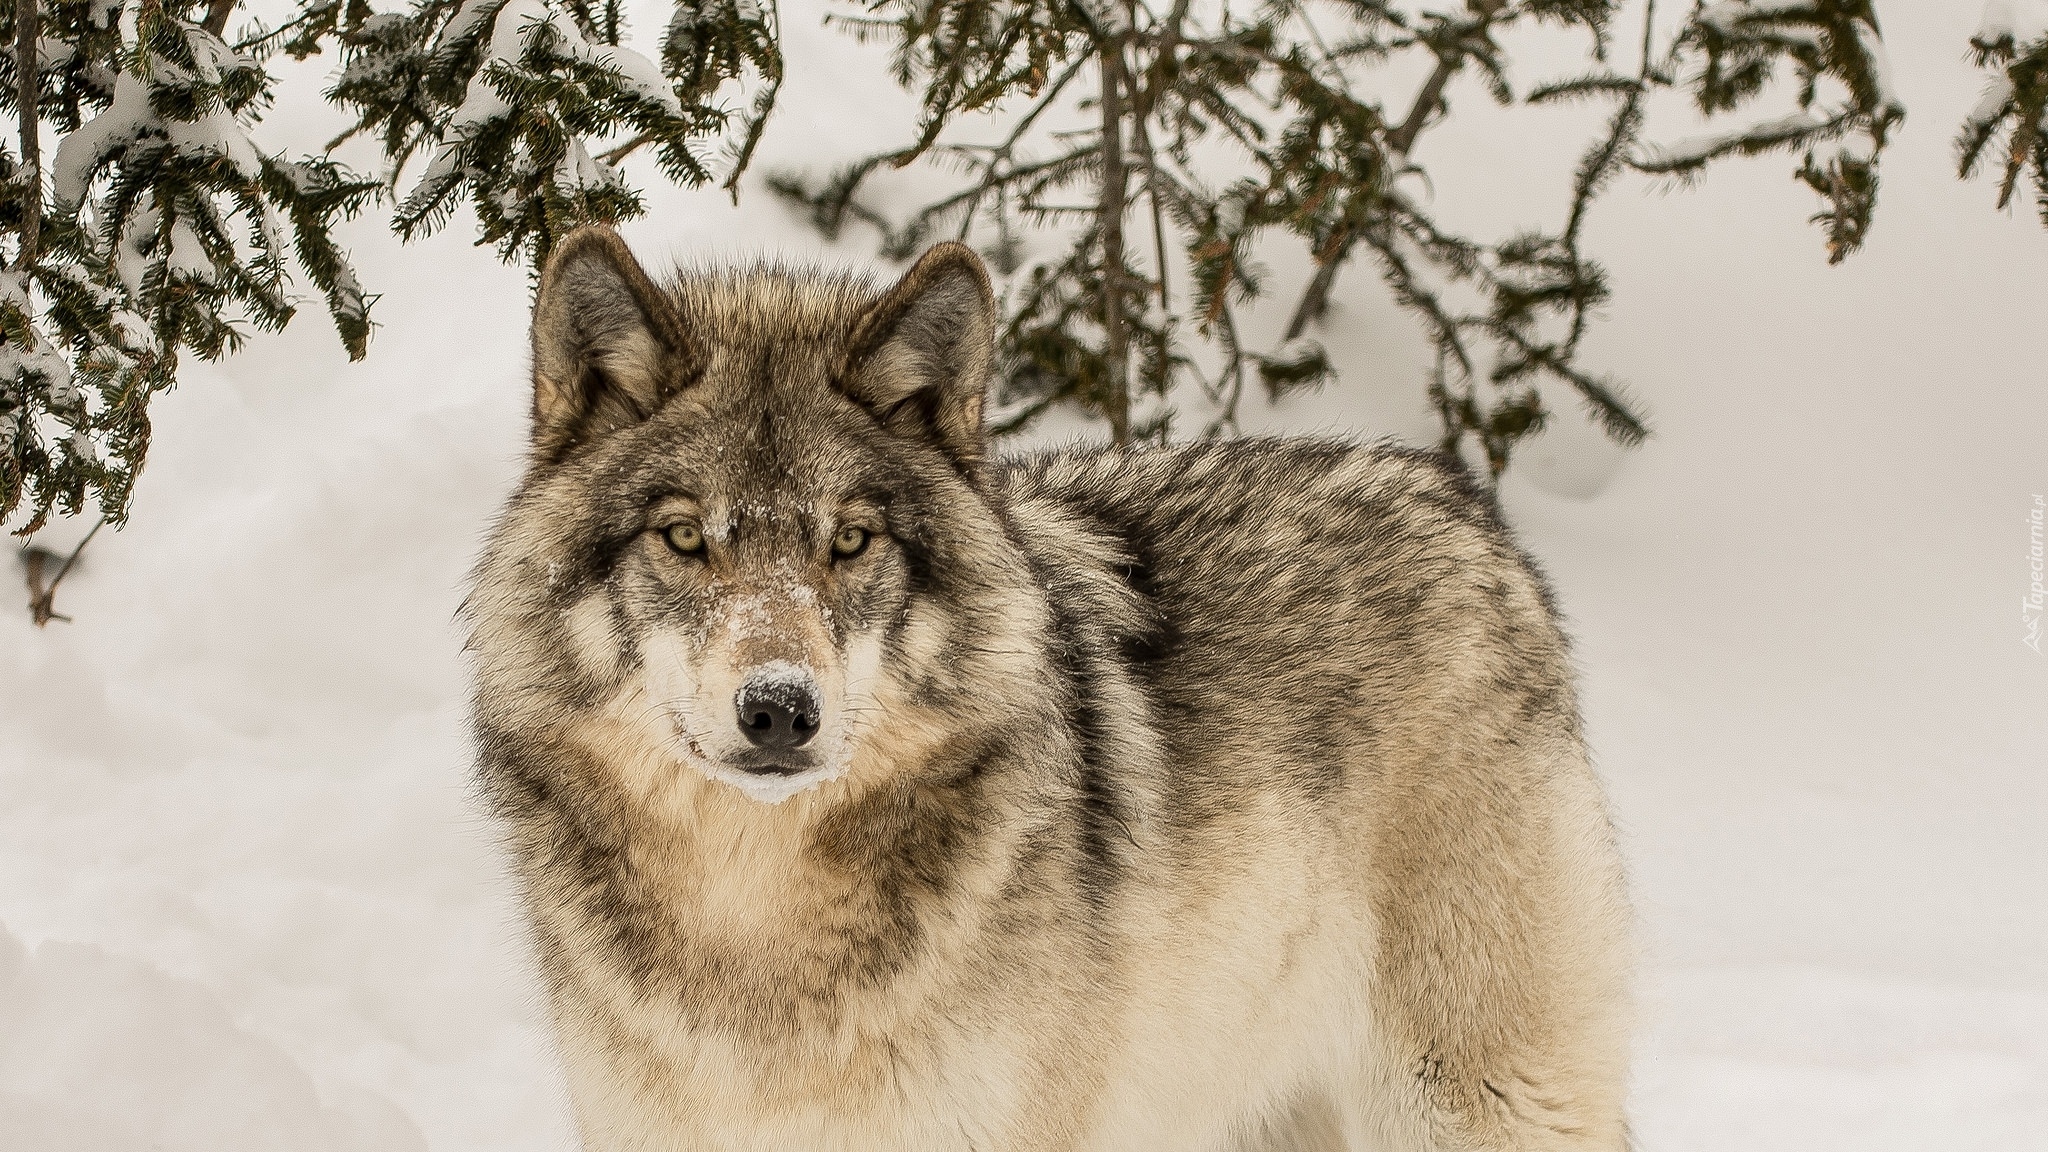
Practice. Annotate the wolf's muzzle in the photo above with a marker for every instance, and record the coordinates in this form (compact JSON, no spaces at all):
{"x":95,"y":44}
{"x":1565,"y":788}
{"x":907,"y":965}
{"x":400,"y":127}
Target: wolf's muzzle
{"x":779,"y":708}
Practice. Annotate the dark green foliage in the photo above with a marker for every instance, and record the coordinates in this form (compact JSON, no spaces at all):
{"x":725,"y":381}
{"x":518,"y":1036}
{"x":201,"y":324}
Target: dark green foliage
{"x":165,"y":231}
{"x":2014,"y":104}
{"x":1273,"y":92}
{"x":709,"y":43}
{"x":1161,"y":144}
{"x":506,"y":97}
{"x":1846,"y":103}
{"x":1234,"y":124}
{"x":169,"y":230}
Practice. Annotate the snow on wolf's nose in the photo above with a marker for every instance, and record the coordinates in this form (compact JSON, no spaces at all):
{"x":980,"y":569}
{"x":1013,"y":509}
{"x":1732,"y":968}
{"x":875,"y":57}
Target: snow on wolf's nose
{"x":779,"y":706}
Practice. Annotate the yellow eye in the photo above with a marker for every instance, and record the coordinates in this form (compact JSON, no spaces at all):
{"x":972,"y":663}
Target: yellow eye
{"x":685,"y":538}
{"x":850,"y":542}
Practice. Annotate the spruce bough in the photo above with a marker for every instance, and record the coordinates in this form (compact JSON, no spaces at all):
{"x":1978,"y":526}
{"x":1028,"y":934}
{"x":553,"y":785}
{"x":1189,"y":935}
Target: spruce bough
{"x":145,"y":214}
{"x":163,"y":223}
{"x":1221,"y":125}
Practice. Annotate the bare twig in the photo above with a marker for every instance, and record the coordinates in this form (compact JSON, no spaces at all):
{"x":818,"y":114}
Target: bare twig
{"x":626,"y":149}
{"x":1649,"y":33}
{"x":1116,"y":353}
{"x":1315,"y":300}
{"x":217,"y":14}
{"x":42,"y":598}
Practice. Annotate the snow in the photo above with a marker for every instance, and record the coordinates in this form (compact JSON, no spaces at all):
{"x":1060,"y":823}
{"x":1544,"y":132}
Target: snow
{"x":481,"y":104}
{"x":85,"y":149}
{"x":2020,"y":21}
{"x":1300,"y":350}
{"x":580,"y":171}
{"x":213,"y":57}
{"x":188,"y":259}
{"x":40,"y":359}
{"x":95,"y":1052}
{"x":636,"y":70}
{"x":129,"y":119}
{"x":1724,"y":15}
{"x":1694,"y":149}
{"x":138,"y":239}
{"x":441,"y":171}
{"x":517,"y":25}
{"x":1873,"y":49}
{"x":785,"y":675}
{"x":349,"y":292}
{"x":520,"y":21}
{"x":248,"y":900}
{"x":464,"y":24}
{"x":1991,"y":106}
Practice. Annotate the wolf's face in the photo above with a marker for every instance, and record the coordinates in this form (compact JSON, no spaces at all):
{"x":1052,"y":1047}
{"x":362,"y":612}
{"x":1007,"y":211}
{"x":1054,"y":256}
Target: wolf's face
{"x":753,"y":576}
{"x":753,"y":522}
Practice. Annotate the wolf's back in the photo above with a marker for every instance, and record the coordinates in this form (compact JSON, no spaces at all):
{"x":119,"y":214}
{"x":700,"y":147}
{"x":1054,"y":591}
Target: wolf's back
{"x":1317,"y":592}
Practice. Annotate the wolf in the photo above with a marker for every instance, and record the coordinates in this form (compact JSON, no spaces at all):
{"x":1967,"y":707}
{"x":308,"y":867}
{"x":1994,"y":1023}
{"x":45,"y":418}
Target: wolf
{"x":870,"y":791}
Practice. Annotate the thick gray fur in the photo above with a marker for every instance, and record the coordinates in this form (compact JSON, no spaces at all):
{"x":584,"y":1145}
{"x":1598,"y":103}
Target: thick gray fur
{"x":1224,"y":796}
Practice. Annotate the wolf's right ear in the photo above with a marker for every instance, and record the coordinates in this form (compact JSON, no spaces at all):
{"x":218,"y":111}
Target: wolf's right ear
{"x":608,"y":343}
{"x":919,"y":357}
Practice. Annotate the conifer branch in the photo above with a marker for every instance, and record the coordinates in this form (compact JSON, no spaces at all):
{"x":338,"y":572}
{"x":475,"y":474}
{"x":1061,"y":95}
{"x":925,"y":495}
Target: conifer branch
{"x":1315,"y":299}
{"x":27,"y":97}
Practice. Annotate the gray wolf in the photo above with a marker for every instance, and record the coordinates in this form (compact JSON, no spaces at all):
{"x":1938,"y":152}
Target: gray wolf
{"x":871,"y":792}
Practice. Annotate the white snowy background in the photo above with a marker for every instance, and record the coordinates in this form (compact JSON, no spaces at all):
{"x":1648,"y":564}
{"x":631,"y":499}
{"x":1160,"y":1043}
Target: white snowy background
{"x":247,"y":900}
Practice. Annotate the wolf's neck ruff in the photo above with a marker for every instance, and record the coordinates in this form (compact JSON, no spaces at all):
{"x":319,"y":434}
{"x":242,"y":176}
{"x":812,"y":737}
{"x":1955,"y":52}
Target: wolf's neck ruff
{"x":868,"y":794}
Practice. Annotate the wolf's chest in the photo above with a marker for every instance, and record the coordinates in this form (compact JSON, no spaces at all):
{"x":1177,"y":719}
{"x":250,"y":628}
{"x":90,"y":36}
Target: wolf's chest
{"x":647,"y":1074}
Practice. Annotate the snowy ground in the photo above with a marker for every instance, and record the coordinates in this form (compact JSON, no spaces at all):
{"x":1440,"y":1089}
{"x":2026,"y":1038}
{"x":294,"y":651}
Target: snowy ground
{"x":246,"y":901}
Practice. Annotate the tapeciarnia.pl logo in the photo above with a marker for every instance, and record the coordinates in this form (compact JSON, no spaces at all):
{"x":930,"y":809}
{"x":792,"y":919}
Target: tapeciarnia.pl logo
{"x":2037,"y":597}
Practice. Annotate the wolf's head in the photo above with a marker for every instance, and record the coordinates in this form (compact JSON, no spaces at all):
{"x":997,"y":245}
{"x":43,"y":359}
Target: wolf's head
{"x":753,"y":539}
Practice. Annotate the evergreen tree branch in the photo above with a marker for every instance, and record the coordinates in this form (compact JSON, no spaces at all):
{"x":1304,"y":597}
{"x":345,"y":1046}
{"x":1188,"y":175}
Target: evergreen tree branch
{"x":1029,"y":183}
{"x":2015,"y":102}
{"x":27,"y":103}
{"x":768,"y":59}
{"x":1315,"y":299}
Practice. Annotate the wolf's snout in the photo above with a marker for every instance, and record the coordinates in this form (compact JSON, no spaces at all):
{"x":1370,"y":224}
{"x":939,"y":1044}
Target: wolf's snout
{"x":779,"y":709}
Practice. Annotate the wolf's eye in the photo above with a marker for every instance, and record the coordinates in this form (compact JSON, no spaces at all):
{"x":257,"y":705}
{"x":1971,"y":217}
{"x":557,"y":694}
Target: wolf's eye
{"x":685,"y":538}
{"x":850,"y":542}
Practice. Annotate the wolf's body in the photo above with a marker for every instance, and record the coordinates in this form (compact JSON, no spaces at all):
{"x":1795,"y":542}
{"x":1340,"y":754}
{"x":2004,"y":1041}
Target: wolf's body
{"x":1209,"y":798}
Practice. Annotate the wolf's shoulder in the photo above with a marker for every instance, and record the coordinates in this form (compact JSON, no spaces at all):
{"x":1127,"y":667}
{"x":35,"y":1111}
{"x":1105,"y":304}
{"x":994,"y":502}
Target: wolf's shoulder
{"x":1277,"y":529}
{"x":1256,"y":480}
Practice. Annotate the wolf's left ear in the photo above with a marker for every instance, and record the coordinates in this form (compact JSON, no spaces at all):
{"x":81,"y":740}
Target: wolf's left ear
{"x":608,"y":344}
{"x":919,"y":357}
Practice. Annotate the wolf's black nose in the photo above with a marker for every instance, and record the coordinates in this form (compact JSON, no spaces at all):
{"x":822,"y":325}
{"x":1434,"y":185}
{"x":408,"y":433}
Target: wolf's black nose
{"x":779,"y":710}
